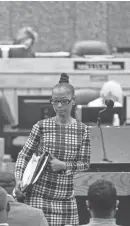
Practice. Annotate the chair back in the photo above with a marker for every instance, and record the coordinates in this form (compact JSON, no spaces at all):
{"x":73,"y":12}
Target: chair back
{"x":82,"y":48}
{"x":84,"y":96}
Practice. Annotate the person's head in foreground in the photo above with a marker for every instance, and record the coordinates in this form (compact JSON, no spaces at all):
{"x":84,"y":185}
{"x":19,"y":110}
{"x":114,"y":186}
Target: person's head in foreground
{"x":4,"y":205}
{"x":63,"y":97}
{"x":26,"y":36}
{"x":102,"y":199}
{"x":112,"y":90}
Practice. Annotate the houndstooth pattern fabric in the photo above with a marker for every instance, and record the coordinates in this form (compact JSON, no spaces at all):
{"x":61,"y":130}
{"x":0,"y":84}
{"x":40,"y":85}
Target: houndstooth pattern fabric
{"x":54,"y":191}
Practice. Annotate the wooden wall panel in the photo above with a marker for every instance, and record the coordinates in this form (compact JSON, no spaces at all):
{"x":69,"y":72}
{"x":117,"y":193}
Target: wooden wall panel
{"x":119,"y":23}
{"x":57,"y":25}
{"x":5,"y":21}
{"x":53,"y":21}
{"x":24,"y":13}
{"x":60,"y":24}
{"x":119,"y":179}
{"x":91,"y":20}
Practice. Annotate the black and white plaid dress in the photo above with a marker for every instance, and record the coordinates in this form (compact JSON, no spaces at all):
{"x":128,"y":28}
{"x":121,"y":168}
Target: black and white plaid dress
{"x":54,"y":191}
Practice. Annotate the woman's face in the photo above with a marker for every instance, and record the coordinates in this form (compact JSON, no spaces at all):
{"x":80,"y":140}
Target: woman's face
{"x":64,"y":107}
{"x":27,"y":42}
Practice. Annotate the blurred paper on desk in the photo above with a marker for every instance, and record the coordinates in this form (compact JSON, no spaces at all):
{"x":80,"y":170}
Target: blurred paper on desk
{"x":35,"y":167}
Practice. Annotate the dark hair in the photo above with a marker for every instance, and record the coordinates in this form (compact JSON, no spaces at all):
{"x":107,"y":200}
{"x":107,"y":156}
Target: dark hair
{"x":102,"y":198}
{"x":64,"y":82}
{"x":25,"y":31}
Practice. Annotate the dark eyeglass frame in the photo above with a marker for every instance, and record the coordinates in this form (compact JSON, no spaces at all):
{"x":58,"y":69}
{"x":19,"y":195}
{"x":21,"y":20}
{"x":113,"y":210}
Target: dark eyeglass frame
{"x":60,"y":101}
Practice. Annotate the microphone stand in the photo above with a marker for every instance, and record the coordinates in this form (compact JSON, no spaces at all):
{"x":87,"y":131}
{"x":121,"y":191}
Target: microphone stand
{"x":105,"y":158}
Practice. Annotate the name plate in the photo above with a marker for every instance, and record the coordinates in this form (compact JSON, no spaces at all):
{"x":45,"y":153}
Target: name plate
{"x":84,"y":65}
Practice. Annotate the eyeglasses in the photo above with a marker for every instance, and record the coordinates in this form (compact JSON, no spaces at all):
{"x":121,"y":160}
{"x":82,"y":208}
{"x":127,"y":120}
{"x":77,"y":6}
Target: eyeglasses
{"x":63,"y":102}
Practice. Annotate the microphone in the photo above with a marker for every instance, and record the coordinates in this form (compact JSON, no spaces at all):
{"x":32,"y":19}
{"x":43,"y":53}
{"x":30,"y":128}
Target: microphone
{"x":109,"y":103}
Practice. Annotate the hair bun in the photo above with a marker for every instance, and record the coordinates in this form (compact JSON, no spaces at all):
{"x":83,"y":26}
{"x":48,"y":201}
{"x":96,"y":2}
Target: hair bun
{"x":64,"y":78}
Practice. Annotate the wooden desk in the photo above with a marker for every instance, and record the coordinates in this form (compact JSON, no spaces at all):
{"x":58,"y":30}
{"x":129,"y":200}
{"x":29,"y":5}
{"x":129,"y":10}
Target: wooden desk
{"x":117,"y":146}
{"x":116,"y":140}
{"x":121,"y":181}
{"x":83,"y":180}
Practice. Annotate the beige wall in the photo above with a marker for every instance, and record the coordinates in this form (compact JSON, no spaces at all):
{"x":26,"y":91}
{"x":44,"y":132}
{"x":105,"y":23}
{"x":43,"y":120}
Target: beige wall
{"x":60,"y":24}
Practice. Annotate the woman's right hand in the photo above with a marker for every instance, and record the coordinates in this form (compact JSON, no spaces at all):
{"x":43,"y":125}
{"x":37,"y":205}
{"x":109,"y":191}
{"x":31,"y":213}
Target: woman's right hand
{"x":18,"y":191}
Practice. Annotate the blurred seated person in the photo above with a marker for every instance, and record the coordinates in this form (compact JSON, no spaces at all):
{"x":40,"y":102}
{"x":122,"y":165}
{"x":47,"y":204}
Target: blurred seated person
{"x":6,"y":117}
{"x":4,"y":206}
{"x":102,"y":203}
{"x":89,"y":47}
{"x":26,"y":36}
{"x":110,"y":90}
{"x":20,"y":214}
{"x":114,"y":50}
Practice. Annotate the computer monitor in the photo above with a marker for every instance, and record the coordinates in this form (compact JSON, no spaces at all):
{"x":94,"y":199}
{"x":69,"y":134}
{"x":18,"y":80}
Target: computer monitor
{"x":32,"y":109}
{"x":123,"y":49}
{"x":13,"y":51}
{"x":89,"y":115}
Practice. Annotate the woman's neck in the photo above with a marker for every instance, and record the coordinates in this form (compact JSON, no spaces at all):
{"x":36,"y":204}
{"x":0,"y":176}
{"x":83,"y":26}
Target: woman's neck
{"x":63,"y":120}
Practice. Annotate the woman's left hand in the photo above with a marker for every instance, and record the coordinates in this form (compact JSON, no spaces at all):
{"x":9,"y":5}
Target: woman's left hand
{"x":57,"y":165}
